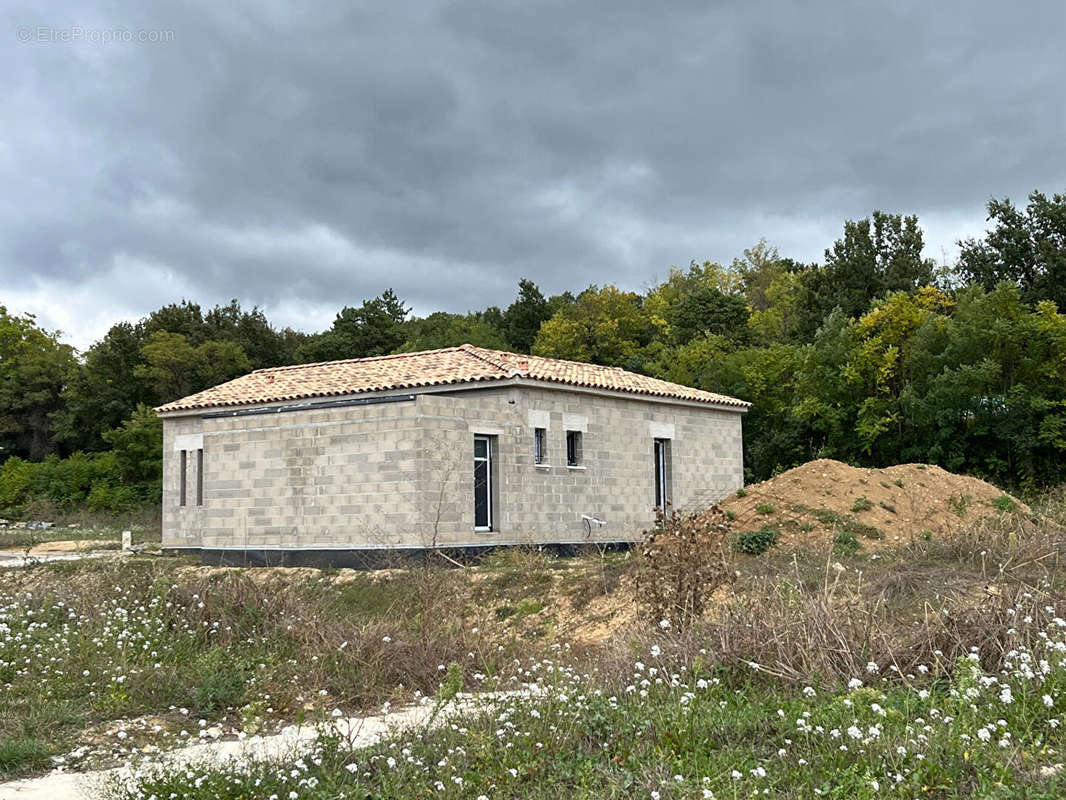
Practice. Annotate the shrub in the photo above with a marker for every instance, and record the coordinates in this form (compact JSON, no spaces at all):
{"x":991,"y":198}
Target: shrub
{"x":680,"y":565}
{"x":756,"y":542}
{"x":742,"y":492}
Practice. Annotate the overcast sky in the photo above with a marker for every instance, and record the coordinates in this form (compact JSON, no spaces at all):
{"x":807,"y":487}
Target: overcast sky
{"x":304,"y":158}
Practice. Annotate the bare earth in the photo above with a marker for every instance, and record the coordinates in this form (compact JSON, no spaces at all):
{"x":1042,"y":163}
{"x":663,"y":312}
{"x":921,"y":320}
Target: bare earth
{"x":902,"y":502}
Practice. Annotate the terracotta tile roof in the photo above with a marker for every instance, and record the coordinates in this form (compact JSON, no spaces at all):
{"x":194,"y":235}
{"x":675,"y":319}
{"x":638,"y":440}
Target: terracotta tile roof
{"x":451,"y":365}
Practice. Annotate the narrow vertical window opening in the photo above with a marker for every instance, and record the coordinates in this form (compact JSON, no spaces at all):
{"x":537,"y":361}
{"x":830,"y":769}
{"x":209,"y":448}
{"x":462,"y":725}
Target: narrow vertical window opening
{"x":200,"y":477}
{"x":662,"y":473}
{"x":184,"y":470}
{"x":540,"y":446}
{"x":483,"y":511}
{"x":573,"y":448}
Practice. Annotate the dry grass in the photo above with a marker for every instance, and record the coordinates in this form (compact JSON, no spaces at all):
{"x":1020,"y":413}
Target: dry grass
{"x":812,"y":618}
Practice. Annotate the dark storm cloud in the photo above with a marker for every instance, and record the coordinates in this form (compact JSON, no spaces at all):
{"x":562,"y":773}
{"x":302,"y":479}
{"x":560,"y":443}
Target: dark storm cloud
{"x":307,"y":157}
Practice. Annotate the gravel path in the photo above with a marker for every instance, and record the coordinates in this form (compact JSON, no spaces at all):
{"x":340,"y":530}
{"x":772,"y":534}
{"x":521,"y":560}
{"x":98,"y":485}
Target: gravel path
{"x":361,"y":731}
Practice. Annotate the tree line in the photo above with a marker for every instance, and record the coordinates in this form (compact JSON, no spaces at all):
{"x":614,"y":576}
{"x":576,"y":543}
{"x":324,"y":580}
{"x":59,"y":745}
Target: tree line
{"x":874,"y":355}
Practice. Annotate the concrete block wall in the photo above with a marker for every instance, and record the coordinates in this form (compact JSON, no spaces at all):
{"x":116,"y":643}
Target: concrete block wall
{"x":401,"y":474}
{"x":615,"y":481}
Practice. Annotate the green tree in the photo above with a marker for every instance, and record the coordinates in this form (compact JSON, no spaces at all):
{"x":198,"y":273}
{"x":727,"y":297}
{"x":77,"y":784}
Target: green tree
{"x":775,"y":439}
{"x":603,"y":326}
{"x":137,"y":445}
{"x":34,"y":370}
{"x":523,"y":318}
{"x":710,"y":311}
{"x":376,"y":328}
{"x":1026,"y":248}
{"x":662,"y":302}
{"x":183,"y":318}
{"x":876,"y":256}
{"x":264,"y":345}
{"x":103,"y":391}
{"x":173,"y":368}
{"x":442,"y":329}
{"x":169,"y":366}
{"x":757,"y":269}
{"x":779,"y":318}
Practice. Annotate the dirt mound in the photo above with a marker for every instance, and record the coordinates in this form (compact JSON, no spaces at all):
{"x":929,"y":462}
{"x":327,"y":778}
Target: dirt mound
{"x":826,"y":500}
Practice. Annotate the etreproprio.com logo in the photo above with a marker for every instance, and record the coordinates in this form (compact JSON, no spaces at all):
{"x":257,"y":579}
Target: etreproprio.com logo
{"x":77,"y":33}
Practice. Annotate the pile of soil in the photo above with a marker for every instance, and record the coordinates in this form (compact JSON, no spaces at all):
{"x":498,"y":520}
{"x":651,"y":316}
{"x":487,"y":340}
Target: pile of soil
{"x":811,"y":504}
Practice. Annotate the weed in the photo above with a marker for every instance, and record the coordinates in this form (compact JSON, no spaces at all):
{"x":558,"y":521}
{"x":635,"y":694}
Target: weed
{"x":756,"y":542}
{"x":764,"y":508}
{"x":731,"y":515}
{"x":827,"y":517}
{"x":861,"y":504}
{"x":714,"y":712}
{"x":959,"y":503}
{"x":742,"y":492}
{"x":845,"y":543}
{"x":898,"y":482}
{"x":527,"y":608}
{"x":806,"y":526}
{"x":861,"y":529}
{"x":891,"y":509}
{"x":1004,"y":503}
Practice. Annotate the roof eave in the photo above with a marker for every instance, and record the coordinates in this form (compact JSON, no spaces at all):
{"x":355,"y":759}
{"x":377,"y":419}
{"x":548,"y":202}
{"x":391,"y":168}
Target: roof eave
{"x":739,"y":407}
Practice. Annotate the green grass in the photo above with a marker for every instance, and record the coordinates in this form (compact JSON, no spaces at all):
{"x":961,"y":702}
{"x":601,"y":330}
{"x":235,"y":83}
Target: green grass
{"x":861,"y":504}
{"x":845,"y":543}
{"x":23,"y":754}
{"x":944,"y":735}
{"x":764,"y":508}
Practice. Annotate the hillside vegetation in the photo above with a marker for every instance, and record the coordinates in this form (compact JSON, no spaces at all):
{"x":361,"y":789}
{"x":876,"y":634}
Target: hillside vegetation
{"x":874,"y":356}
